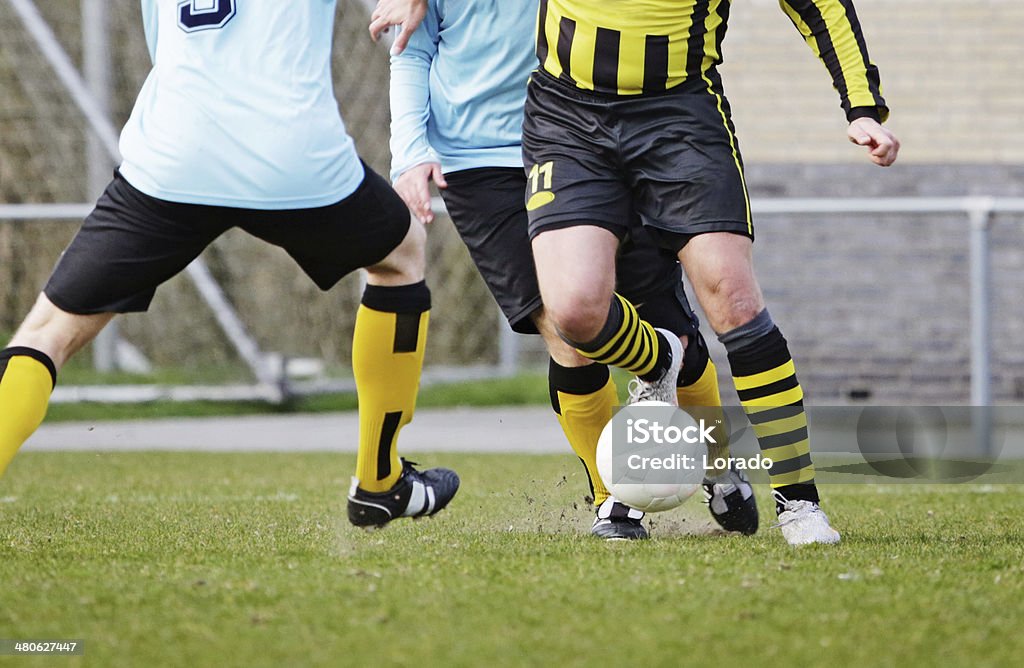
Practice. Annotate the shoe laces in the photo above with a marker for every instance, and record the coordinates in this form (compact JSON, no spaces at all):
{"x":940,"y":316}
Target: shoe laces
{"x":639,"y":390}
{"x":798,"y":509}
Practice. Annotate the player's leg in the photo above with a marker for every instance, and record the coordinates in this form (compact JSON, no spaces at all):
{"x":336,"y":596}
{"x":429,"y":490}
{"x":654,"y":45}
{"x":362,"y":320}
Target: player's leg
{"x":387,"y":360}
{"x":486,"y":206}
{"x":584,"y":397}
{"x":722,"y":269}
{"x":575,"y":271}
{"x":29,"y":366}
{"x":728,"y":492}
{"x":387,"y":357}
{"x":698,"y":202}
{"x":579,"y":207}
{"x":127,"y":246}
{"x":652,"y":278}
{"x":371,"y":228}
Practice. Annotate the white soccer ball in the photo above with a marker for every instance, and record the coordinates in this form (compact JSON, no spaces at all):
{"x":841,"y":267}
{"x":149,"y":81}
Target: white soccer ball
{"x":635,"y":489}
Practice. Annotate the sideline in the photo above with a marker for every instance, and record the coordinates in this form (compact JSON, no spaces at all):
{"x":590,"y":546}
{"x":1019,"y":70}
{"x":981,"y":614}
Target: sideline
{"x":524,"y":429}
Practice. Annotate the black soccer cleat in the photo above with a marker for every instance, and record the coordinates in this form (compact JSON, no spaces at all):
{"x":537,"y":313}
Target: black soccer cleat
{"x":416,"y":494}
{"x":730,"y":499}
{"x":617,"y":521}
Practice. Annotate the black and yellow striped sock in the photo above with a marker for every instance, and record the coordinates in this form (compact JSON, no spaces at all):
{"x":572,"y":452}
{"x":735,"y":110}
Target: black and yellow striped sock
{"x":27,"y":377}
{"x":772,"y":398}
{"x":387,"y":360}
{"x":628,"y":342}
{"x":583,"y":398}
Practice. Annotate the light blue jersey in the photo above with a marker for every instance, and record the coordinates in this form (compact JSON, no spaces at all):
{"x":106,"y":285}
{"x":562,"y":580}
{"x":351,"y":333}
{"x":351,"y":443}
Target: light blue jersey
{"x":458,"y":89}
{"x":239,"y":107}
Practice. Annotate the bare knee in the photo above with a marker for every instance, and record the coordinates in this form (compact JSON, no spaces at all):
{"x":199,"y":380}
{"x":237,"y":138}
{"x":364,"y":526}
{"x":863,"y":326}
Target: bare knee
{"x":56,"y":332}
{"x":733,"y":303}
{"x":560,"y":351}
{"x":406,"y":263}
{"x":578,"y":314}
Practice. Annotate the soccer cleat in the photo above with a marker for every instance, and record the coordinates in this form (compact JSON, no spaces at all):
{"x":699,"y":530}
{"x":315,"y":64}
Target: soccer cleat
{"x":804,"y":522}
{"x":416,"y":494}
{"x":617,"y":521}
{"x":663,"y":389}
{"x":730,"y":499}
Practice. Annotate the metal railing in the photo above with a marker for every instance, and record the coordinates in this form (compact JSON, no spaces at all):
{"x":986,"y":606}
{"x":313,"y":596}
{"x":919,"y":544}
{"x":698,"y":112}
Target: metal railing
{"x":979,"y":211}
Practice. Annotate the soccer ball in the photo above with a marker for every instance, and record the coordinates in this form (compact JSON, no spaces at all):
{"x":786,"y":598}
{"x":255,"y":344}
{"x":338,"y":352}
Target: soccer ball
{"x":635,"y":490}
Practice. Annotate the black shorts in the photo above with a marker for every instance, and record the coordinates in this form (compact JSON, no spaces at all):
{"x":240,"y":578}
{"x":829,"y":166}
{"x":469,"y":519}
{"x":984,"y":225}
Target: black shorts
{"x":486,"y":205}
{"x":671,"y":157}
{"x":131,"y":242}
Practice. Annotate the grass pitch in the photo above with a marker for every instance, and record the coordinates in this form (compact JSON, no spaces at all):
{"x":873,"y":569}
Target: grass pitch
{"x":169,"y":559}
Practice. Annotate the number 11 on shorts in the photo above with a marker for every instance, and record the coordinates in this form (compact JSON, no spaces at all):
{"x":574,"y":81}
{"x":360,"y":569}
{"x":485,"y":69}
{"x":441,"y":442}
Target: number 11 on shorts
{"x":540,"y":186}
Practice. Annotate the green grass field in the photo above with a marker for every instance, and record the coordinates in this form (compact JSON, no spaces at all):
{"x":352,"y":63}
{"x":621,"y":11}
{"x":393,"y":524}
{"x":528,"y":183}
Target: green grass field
{"x":169,"y":559}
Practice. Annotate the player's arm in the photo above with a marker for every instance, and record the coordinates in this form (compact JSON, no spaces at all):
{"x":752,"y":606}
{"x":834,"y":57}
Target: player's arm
{"x":832,"y":30}
{"x":388,"y":13}
{"x":413,"y":162}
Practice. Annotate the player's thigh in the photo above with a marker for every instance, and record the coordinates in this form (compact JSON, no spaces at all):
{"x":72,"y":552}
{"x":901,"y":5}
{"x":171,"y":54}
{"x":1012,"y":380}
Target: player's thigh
{"x":573,"y":169}
{"x":576,"y":274}
{"x":332,"y":241}
{"x":651,"y":278}
{"x":127,"y":246}
{"x":721,"y":267}
{"x":684,"y":165}
{"x":486,"y":206}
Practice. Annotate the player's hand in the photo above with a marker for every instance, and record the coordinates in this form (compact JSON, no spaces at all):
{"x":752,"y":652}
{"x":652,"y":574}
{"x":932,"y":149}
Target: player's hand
{"x":406,"y":13}
{"x":882,"y":145}
{"x":413,"y":186}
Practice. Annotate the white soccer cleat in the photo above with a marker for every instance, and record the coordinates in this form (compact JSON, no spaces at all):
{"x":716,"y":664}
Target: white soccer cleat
{"x":804,"y":523}
{"x":663,"y":389}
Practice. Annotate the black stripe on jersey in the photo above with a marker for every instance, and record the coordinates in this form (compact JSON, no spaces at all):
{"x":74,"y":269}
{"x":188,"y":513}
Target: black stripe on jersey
{"x":695,"y":40}
{"x":606,"y":60}
{"x":542,"y":35}
{"x":566,"y":33}
{"x":874,"y":80}
{"x":723,"y":13}
{"x":655,"y":63}
{"x":811,"y":15}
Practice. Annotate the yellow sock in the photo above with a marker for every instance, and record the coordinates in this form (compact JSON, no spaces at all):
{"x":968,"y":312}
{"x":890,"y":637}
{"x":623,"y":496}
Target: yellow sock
{"x":702,"y":400}
{"x":27,"y":378}
{"x":387,"y":359}
{"x":583,"y":399}
{"x":703,"y":391}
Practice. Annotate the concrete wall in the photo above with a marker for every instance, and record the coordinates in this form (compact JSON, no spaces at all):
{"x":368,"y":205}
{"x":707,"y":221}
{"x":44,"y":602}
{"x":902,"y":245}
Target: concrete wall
{"x":951,"y":71}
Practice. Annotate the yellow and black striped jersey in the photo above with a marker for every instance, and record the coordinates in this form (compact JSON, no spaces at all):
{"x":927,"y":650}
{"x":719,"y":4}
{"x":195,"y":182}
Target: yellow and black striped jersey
{"x":633,"y":47}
